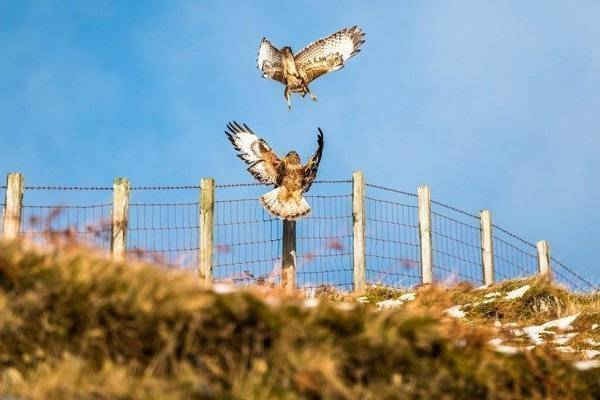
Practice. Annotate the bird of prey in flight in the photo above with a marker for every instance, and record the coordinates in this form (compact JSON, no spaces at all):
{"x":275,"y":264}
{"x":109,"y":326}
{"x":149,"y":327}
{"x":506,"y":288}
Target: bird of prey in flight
{"x":318,"y":58}
{"x":289,"y":176}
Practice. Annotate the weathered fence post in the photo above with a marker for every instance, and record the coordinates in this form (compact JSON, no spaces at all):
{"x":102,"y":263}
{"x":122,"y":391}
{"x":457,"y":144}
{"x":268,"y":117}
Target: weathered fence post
{"x":13,"y":204}
{"x":207,"y":212}
{"x":288,"y":256}
{"x":487,"y":247}
{"x":424,"y":203}
{"x":543,"y":252}
{"x":358,"y":238}
{"x":120,"y":217}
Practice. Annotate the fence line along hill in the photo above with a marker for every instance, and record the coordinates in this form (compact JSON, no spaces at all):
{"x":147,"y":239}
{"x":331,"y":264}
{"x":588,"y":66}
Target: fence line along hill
{"x":358,"y":234}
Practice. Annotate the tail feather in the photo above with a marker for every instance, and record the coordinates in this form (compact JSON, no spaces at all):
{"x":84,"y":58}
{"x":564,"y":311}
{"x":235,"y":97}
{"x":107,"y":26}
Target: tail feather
{"x":289,"y":209}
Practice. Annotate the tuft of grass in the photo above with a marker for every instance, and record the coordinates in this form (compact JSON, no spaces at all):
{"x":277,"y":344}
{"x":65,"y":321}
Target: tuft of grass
{"x":75,"y":325}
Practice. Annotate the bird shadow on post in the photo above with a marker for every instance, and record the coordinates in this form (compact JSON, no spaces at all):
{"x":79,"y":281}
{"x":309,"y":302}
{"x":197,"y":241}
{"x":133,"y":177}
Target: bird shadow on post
{"x":288,"y":256}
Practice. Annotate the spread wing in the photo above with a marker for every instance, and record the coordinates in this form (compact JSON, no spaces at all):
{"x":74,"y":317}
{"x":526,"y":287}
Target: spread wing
{"x":263,"y":162}
{"x":269,"y":61}
{"x":312,"y":166}
{"x":330,"y":53}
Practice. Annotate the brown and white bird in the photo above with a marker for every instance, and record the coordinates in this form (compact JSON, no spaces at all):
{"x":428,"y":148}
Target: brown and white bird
{"x":290,"y":178}
{"x":318,"y":58}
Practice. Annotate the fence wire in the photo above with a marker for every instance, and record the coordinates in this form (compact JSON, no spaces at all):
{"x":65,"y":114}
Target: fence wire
{"x":164,"y":228}
{"x":324,"y":238}
{"x":86,"y":224}
{"x":247,"y":242}
{"x":456,"y":243}
{"x":248,"y":239}
{"x":514,"y":257}
{"x":164,"y":232}
{"x":53,"y":215}
{"x":570,"y":278}
{"x":392,"y":237}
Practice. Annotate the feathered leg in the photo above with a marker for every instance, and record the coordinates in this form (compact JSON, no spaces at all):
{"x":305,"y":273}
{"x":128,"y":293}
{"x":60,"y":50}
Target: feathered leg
{"x":288,"y":97}
{"x":307,"y":90}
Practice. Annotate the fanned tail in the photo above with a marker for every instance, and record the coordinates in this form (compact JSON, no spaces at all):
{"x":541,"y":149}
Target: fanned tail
{"x":289,"y":209}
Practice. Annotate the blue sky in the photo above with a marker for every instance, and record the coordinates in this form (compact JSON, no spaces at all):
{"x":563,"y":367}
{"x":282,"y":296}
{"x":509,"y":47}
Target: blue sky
{"x":493,"y":104}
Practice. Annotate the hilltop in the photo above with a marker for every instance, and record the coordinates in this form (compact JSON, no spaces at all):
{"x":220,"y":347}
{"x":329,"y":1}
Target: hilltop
{"x":74,"y":325}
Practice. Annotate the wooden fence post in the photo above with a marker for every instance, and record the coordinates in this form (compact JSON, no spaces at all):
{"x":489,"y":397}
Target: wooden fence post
{"x":120,"y":217}
{"x":13,"y":204}
{"x":543,"y":252}
{"x":487,"y":247}
{"x":288,"y":256}
{"x":424,"y":203}
{"x":358,"y":238}
{"x":207,"y":213}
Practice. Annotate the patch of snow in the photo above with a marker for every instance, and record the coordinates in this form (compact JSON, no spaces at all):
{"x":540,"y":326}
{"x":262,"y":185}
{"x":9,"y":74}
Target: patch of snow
{"x":311,"y":303}
{"x":482,"y":287}
{"x":497,"y":324}
{"x":591,"y":353}
{"x":594,"y":326}
{"x":511,"y":324}
{"x":535,"y":331}
{"x":587,"y":364}
{"x":407,"y":297}
{"x":517,"y":293}
{"x":223,"y":288}
{"x":392,"y":303}
{"x":455,"y":312}
{"x":564,"y":339}
{"x":518,"y":332}
{"x":562,"y":323}
{"x":362,"y":299}
{"x":496,"y":343}
{"x":492,"y":294}
{"x":592,"y":342}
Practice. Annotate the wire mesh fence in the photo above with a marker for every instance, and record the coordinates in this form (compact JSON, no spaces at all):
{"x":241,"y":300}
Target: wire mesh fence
{"x":324,"y":238}
{"x":164,"y":232}
{"x":514,"y":257}
{"x":456,"y":237}
{"x":392,"y":237}
{"x":570,"y":278}
{"x":247,"y":242}
{"x":52,"y":214}
{"x":164,"y":227}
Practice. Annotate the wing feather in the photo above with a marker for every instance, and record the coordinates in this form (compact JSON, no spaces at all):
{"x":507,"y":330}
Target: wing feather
{"x":263,"y":163}
{"x":330,"y":53}
{"x":269,"y":61}
{"x":312,"y":166}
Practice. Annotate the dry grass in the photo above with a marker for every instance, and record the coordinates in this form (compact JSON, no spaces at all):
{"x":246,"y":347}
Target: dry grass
{"x":76,"y":326}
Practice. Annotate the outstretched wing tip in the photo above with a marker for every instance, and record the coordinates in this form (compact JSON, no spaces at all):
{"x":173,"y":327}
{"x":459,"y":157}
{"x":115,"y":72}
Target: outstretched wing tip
{"x":255,"y":152}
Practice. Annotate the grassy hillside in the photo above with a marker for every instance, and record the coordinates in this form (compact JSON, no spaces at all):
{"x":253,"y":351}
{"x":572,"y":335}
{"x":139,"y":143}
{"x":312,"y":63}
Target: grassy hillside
{"x":74,"y":325}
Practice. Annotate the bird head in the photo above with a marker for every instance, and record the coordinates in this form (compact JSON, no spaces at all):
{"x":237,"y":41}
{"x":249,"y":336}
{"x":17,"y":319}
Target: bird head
{"x":287,"y":50}
{"x":293,"y":156}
